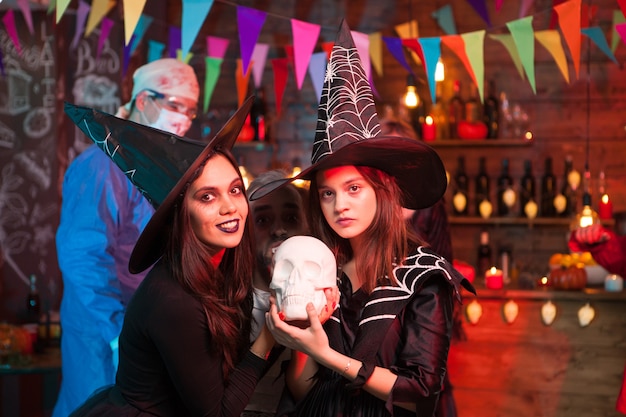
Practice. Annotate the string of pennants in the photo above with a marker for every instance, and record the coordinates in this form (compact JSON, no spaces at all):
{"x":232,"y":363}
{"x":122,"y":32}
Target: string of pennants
{"x":573,"y":20}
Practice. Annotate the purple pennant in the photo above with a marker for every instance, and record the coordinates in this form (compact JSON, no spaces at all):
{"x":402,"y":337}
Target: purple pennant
{"x":397,"y":50}
{"x":249,"y":22}
{"x":2,"y":64}
{"x":174,"y":43}
{"x":81,"y":17}
{"x":105,"y":29}
{"x":127,"y":53}
{"x":481,"y":8}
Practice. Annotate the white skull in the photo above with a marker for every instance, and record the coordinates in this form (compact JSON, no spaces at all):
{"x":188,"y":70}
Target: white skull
{"x":303,"y":267}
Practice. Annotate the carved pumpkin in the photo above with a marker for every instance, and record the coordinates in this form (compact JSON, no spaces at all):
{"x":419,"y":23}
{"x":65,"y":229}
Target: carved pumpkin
{"x":570,"y":278}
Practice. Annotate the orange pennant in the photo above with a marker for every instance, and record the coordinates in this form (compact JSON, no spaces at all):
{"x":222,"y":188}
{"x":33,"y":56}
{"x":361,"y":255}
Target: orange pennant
{"x":242,"y":82}
{"x":569,"y":22}
{"x":457,"y":45}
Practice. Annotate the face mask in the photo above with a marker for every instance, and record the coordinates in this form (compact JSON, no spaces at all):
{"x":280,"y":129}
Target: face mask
{"x":169,"y":121}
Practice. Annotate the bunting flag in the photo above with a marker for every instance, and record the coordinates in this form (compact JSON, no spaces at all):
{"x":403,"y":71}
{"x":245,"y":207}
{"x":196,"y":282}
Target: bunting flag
{"x":317,"y":70}
{"x":25,"y":8}
{"x":622,"y":6}
{"x":186,"y":58}
{"x":155,"y":50}
{"x":140,"y":31}
{"x":480,"y":7}
{"x":551,"y":40}
{"x":618,"y":17}
{"x":242,"y":80}
{"x":474,"y":48}
{"x":173,"y":41}
{"x":376,"y":51}
{"x":524,"y":39}
{"x":457,"y":45}
{"x":61,"y":6}
{"x":99,"y":9}
{"x":259,"y":58}
{"x":445,"y":19}
{"x":394,"y":45}
{"x":52,"y":5}
{"x":305,"y":37}
{"x":595,"y":34}
{"x":250,"y":22}
{"x":499,"y":5}
{"x":216,"y":47}
{"x":126,"y":55}
{"x":212,"y":74}
{"x":362,"y":43}
{"x":81,"y":17}
{"x":554,"y":17}
{"x":132,"y":13}
{"x":279,"y":67}
{"x":524,"y":7}
{"x":569,"y":22}
{"x":9,"y":22}
{"x":507,"y":41}
{"x":621,"y":30}
{"x":587,"y":15}
{"x":194,"y":15}
{"x":328,"y":48}
{"x":431,"y":50}
{"x":409,"y":30}
{"x":105,"y":30}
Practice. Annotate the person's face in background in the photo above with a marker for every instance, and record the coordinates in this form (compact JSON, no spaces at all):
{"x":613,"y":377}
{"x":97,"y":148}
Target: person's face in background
{"x":276,"y":217}
{"x":172,"y":114}
{"x":217,"y":204}
{"x":347,"y":200}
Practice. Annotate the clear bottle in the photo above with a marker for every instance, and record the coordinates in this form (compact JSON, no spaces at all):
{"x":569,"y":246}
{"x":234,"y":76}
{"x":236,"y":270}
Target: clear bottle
{"x":440,"y":115}
{"x":473,"y":108}
{"x":33,"y":302}
{"x":456,"y":109}
{"x":491,"y":111}
{"x":460,"y":201}
{"x":482,"y":185}
{"x":548,"y":190}
{"x":484,"y":259}
{"x":505,"y":187}
{"x":527,"y":188}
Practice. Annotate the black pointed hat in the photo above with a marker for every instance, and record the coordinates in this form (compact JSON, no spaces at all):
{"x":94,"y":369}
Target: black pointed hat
{"x":348,"y":133}
{"x":158,"y":163}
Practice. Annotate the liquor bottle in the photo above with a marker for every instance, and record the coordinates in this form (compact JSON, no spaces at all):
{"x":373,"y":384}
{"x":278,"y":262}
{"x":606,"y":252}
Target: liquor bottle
{"x":460,"y":199}
{"x":505,"y":188}
{"x":548,"y":190}
{"x":456,"y":109}
{"x":527,"y":187}
{"x":440,"y":115}
{"x":483,"y":259}
{"x":473,"y":108}
{"x":482,"y":185}
{"x":491,"y":112}
{"x":33,"y":302}
{"x":257,"y":117}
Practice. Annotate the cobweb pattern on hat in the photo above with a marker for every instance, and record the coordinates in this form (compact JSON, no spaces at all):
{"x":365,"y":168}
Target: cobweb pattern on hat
{"x":346,"y":112}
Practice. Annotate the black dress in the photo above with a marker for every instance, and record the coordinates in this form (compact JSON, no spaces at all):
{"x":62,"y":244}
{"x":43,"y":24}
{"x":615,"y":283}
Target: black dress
{"x":167,"y":365}
{"x":404,"y":328}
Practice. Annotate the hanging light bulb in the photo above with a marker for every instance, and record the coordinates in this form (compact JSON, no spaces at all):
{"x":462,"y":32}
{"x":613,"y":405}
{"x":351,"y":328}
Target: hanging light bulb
{"x":411,"y":99}
{"x":440,"y":72}
{"x":587,"y":216}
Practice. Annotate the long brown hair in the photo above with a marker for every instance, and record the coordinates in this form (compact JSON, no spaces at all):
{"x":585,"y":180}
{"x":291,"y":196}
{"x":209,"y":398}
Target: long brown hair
{"x":387,"y":239}
{"x":226,"y":291}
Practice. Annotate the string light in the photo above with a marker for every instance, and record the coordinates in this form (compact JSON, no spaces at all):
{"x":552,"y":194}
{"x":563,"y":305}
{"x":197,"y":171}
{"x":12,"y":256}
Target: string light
{"x":411,"y":99}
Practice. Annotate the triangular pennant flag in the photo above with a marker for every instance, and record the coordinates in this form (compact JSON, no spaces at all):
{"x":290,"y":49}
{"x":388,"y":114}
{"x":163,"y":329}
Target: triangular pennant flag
{"x":507,"y":41}
{"x":409,"y":30}
{"x":587,"y":14}
{"x":81,"y":17}
{"x":52,"y":5}
{"x":259,"y":58}
{"x":140,"y":31}
{"x":415,"y":48}
{"x":474,"y":48}
{"x":524,"y":7}
{"x":394,"y":45}
{"x":362,"y":43}
{"x":99,"y":9}
{"x":431,"y":48}
{"x":457,"y":45}
{"x":242,"y":80}
{"x":551,"y":40}
{"x":523,"y":36}
{"x":569,"y":22}
{"x":155,"y":50}
{"x":173,"y":41}
{"x":216,"y":47}
{"x":597,"y":36}
{"x":194,"y":14}
{"x":621,"y":30}
{"x":105,"y":30}
{"x":317,"y":70}
{"x":622,"y":6}
{"x":328,"y":48}
{"x":618,"y":17}
{"x":132,"y":14}
{"x":25,"y":8}
{"x":279,"y":67}
{"x":9,"y":22}
{"x":376,"y":51}
{"x":61,"y":6}
{"x":445,"y":19}
{"x":126,"y":55}
{"x":304,"y":40}
{"x":499,"y":5}
{"x":481,"y":8}
{"x":213,"y":70}
{"x":186,"y":58}
{"x":249,"y":22}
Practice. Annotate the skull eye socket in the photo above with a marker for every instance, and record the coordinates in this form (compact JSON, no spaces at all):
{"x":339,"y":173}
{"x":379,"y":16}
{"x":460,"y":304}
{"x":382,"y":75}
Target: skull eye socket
{"x":282,"y":271}
{"x":312,"y":271}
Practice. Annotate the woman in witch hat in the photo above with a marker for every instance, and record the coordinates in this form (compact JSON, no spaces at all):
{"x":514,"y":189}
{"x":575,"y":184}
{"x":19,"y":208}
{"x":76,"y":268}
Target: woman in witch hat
{"x":384,"y":350}
{"x":184,"y":346}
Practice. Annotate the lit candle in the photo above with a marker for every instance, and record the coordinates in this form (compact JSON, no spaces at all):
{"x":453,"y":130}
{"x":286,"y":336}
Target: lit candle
{"x":429,"y":130}
{"x":605,"y":208}
{"x":494,"y":279}
{"x":613,"y":283}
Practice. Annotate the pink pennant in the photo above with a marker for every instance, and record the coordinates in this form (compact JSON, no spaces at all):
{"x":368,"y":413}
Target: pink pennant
{"x":304,"y":39}
{"x":25,"y":8}
{"x":279,"y":65}
{"x":259,"y":57}
{"x":105,"y":29}
{"x":499,"y":5}
{"x":9,"y":21}
{"x":525,"y":5}
{"x":216,"y":47}
{"x":621,"y":29}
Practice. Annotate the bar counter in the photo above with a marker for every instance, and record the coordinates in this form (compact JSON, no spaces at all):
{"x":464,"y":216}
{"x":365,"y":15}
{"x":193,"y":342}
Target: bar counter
{"x":527,"y":368}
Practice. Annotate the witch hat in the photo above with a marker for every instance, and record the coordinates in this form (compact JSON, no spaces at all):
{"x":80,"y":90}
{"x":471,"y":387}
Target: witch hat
{"x":158,"y":163}
{"x":348,"y":133}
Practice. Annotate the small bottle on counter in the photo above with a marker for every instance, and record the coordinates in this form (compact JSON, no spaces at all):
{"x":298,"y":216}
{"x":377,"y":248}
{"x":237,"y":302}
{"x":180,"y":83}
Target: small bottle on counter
{"x":484,"y":260}
{"x":33,"y":301}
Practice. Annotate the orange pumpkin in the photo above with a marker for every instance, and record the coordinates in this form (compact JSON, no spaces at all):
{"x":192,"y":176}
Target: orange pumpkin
{"x":570,"y":278}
